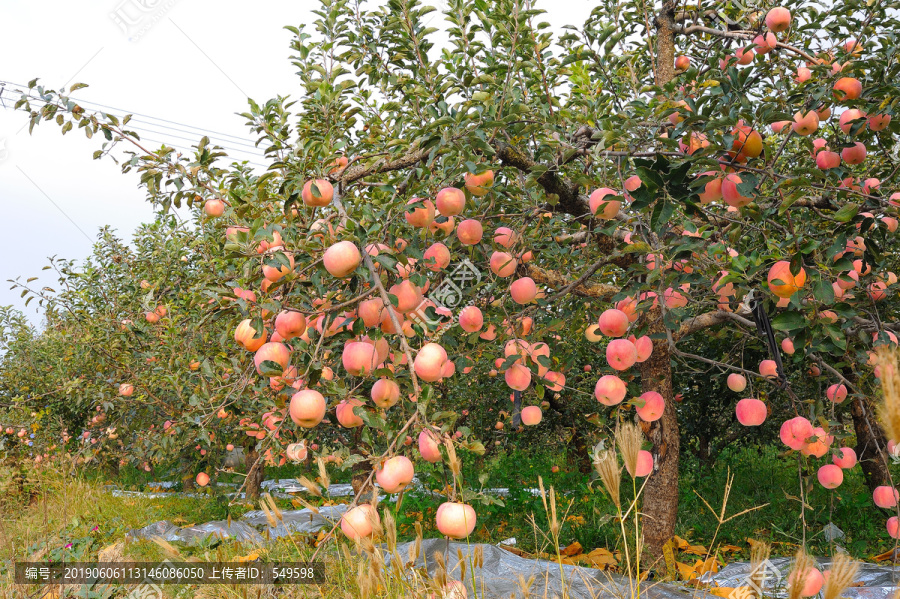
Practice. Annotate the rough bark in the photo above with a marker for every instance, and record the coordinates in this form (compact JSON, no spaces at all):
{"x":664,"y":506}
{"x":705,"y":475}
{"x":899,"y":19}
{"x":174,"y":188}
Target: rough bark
{"x":703,"y":451}
{"x":578,"y":443}
{"x":556,"y":280}
{"x":360,"y":472}
{"x":660,"y":500}
{"x":255,"y":469}
{"x":870,"y":443}
{"x":665,"y":44}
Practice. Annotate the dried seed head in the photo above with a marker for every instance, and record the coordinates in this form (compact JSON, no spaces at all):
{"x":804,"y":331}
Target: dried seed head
{"x":323,"y":473}
{"x":888,"y":362}
{"x":440,"y":571}
{"x":525,"y":585}
{"x":310,"y":486}
{"x":554,"y":521}
{"x":276,"y":511}
{"x":629,"y":438}
{"x":802,"y":565}
{"x":269,"y":517}
{"x":390,"y":527}
{"x":843,"y":571}
{"x":759,"y":554}
{"x":375,"y":521}
{"x":415,"y":548}
{"x":452,"y":460}
{"x":607,"y":467}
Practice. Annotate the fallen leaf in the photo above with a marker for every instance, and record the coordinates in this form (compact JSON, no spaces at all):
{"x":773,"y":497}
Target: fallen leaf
{"x":599,"y":558}
{"x":250,"y":557}
{"x":889,"y":554}
{"x":709,"y":565}
{"x":577,"y":520}
{"x":573,"y":549}
{"x":112,"y":553}
{"x":696,"y":550}
{"x":680,"y":543}
{"x":686,"y":571}
{"x":732,"y":592}
{"x":700,"y":567}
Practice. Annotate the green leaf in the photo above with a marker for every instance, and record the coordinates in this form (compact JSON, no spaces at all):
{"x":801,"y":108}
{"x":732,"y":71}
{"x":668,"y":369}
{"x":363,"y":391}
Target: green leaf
{"x":846,"y":213}
{"x":823,"y":291}
{"x":789,"y":321}
{"x":270,"y":368}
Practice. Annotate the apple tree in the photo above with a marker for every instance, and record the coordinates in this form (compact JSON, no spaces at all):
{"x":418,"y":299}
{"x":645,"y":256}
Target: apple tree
{"x":445,"y":204}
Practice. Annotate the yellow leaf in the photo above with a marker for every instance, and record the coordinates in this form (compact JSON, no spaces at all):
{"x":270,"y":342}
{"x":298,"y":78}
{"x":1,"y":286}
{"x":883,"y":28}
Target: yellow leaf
{"x":680,"y":543}
{"x":686,"y":571}
{"x":735,"y":593}
{"x":696,"y":550}
{"x":251,"y":557}
{"x":598,"y":558}
{"x":573,"y":549}
{"x":884,"y":556}
{"x":669,"y":556}
{"x":710,"y":565}
{"x":730,"y":548}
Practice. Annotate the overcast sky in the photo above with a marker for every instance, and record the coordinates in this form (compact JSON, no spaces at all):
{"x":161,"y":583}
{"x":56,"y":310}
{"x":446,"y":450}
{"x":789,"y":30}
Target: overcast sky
{"x":190,"y":62}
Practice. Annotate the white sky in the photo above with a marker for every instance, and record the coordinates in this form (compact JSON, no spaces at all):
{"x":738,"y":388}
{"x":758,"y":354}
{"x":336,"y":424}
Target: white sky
{"x":193,"y":62}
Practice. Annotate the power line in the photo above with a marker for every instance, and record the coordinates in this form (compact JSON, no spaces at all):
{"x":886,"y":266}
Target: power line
{"x":214,"y":136}
{"x":123,"y":111}
{"x":186,"y":148}
{"x":235,"y":153}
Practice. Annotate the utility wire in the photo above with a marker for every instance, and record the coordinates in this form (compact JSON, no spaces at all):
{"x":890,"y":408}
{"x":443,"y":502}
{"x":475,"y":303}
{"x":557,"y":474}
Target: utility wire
{"x":224,"y":143}
{"x":123,"y":111}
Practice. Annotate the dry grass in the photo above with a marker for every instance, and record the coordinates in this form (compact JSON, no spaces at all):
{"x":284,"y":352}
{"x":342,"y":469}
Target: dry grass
{"x":373,"y":569}
{"x":36,"y":503}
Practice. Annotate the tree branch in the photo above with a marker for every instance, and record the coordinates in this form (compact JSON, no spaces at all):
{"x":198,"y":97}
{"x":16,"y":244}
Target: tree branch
{"x":741,"y":35}
{"x":710,"y":319}
{"x":569,"y":199}
{"x":556,"y":280}
{"x":360,"y":171}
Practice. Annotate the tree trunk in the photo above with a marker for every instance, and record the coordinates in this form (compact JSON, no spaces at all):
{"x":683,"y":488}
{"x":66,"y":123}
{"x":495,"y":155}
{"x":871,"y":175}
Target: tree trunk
{"x":664,"y":64}
{"x":254,"y":473}
{"x":361,"y":471}
{"x":577,"y":443}
{"x":659,"y":503}
{"x":703,"y":452}
{"x":660,"y":500}
{"x":870,"y":444}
